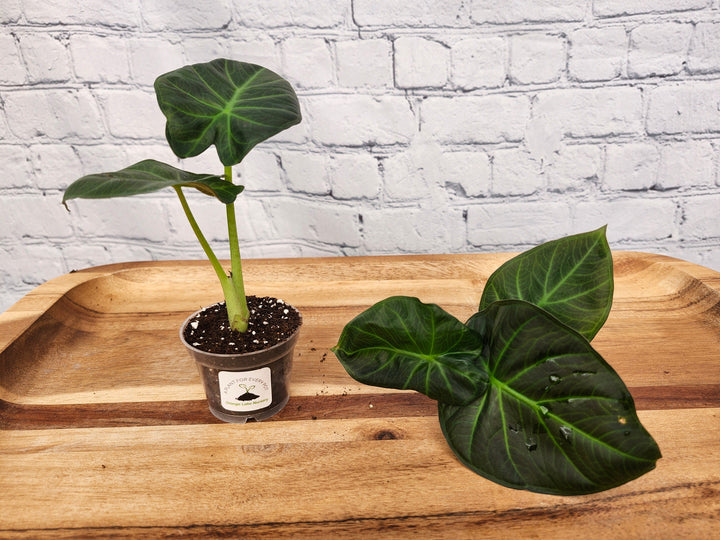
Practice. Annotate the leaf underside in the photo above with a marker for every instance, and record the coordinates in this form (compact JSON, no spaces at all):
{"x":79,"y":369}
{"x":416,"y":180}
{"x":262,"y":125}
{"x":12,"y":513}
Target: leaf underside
{"x":145,"y":177}
{"x":402,"y":343}
{"x":556,"y":417}
{"x":570,"y":278}
{"x":233,"y":105}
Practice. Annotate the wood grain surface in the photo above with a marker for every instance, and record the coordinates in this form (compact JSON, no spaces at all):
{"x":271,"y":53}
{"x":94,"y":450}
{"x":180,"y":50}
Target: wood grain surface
{"x":105,"y":432}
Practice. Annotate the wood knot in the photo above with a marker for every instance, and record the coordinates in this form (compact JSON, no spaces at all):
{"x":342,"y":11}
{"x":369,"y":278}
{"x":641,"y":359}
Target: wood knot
{"x":386,"y":434}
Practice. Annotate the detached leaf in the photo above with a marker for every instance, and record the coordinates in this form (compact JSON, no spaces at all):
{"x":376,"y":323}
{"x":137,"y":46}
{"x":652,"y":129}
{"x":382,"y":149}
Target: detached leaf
{"x":145,"y":177}
{"x":570,"y":278}
{"x":403,"y":343}
{"x":556,"y":418}
{"x":233,"y":105}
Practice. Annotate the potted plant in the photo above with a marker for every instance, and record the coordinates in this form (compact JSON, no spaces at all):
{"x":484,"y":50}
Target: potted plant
{"x":243,"y":346}
{"x":523,"y":398}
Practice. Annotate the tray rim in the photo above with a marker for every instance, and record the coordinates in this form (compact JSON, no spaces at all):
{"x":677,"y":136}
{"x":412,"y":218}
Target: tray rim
{"x":19,"y":317}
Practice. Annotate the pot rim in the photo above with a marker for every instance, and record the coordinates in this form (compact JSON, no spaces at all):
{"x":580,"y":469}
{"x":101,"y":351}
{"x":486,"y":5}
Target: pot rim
{"x":230,"y":355}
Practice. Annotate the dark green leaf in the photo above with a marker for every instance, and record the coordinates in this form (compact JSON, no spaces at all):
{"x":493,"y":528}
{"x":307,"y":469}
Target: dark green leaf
{"x":145,"y":177}
{"x":556,"y":417}
{"x":403,"y":343}
{"x":232,"y":105}
{"x":570,"y":278}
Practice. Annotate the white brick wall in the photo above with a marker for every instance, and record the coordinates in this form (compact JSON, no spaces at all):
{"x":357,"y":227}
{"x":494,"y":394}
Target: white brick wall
{"x":461,"y":125}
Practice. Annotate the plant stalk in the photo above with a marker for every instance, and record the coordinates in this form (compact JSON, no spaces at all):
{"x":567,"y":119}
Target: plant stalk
{"x":236,"y":304}
{"x":240,"y":320}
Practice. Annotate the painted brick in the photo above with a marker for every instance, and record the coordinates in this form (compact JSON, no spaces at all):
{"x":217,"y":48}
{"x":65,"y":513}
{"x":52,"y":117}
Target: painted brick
{"x":8,"y":294}
{"x":597,"y":54}
{"x":186,"y":15}
{"x":517,"y":11}
{"x":636,"y":218}
{"x":16,"y":167}
{"x":211,"y":218}
{"x":99,"y":58}
{"x":124,"y":251}
{"x":302,"y":219}
{"x":17,"y":212}
{"x":471,"y":171}
{"x":10,"y":12}
{"x":516,"y":172}
{"x":198,"y":49}
{"x":631,"y":166}
{"x":414,"y":230}
{"x":306,"y":173}
{"x":596,"y":112}
{"x":658,"y":49}
{"x":573,"y":167}
{"x":138,"y":150}
{"x":132,"y":114}
{"x":374,"y":120}
{"x":431,"y":148}
{"x":101,"y":157}
{"x":475,"y":119}
{"x":122,"y":13}
{"x":701,"y":217}
{"x":365,"y":63}
{"x":420,"y":63}
{"x":152,"y":57}
{"x":506,"y":223}
{"x":686,"y":163}
{"x":46,"y":58}
{"x":307,"y":62}
{"x":46,"y":258}
{"x":414,"y":173}
{"x":703,"y":56}
{"x":684,"y":107}
{"x":708,"y":256}
{"x":4,"y":134}
{"x":12,"y":69}
{"x":54,"y":113}
{"x":84,"y":255}
{"x":424,"y":13}
{"x":132,"y":218}
{"x":262,"y":51}
{"x":48,"y":159}
{"x":281,"y":13}
{"x":615,"y":8}
{"x":354,"y":176}
{"x":250,"y":214}
{"x":536,"y":58}
{"x":479,"y":62}
{"x":260,"y":171}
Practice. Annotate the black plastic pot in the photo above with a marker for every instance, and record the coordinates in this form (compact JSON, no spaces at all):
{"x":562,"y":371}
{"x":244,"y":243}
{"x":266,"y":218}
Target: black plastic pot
{"x":248,"y":386}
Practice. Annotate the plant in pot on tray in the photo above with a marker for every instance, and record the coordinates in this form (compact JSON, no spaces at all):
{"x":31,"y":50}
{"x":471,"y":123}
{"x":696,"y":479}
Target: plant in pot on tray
{"x":243,"y":346}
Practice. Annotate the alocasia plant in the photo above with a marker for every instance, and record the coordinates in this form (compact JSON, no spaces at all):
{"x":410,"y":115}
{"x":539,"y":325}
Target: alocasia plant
{"x":523,"y":398}
{"x":232,"y":105}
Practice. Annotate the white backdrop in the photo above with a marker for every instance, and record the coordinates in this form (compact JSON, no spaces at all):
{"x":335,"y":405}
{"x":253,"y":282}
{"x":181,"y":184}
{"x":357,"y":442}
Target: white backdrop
{"x":429,"y":126}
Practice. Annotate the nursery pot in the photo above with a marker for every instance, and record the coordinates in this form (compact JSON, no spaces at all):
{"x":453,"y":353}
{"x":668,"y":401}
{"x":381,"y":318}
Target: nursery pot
{"x":245,"y":386}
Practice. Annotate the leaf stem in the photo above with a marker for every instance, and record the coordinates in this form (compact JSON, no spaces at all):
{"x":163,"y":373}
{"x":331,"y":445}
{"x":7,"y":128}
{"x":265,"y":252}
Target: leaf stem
{"x":233,"y":302}
{"x":239,"y":320}
{"x":200,"y":236}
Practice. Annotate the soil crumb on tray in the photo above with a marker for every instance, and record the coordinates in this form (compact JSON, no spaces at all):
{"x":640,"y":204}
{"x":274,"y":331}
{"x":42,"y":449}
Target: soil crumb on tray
{"x":271,"y":321}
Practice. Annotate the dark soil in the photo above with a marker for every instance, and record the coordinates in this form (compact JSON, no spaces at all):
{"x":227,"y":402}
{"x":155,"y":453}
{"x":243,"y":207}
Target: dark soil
{"x":272,"y":321}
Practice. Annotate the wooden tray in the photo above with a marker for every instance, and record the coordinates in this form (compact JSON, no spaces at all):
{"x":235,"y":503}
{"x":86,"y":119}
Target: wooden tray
{"x":104,"y":428}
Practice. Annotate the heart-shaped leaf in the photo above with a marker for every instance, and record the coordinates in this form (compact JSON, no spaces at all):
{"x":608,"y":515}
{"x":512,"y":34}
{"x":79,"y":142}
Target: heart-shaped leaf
{"x":403,"y":343}
{"x":570,"y":278}
{"x":233,"y":105}
{"x":556,"y":418}
{"x":145,"y":177}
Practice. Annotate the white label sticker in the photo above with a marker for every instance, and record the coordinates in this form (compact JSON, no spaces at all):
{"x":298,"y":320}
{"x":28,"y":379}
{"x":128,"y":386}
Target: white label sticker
{"x":242,"y":391}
